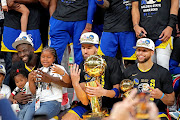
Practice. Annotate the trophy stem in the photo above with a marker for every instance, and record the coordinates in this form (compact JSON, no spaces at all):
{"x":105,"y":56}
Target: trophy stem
{"x":95,"y":105}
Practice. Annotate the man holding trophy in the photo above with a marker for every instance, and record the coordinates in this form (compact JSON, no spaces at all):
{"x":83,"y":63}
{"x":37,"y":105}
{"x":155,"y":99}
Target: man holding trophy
{"x":151,"y":77}
{"x":106,"y":80}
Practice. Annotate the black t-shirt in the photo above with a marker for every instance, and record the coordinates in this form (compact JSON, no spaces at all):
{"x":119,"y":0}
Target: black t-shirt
{"x":154,"y":16}
{"x":112,"y":76}
{"x":13,"y":18}
{"x":118,"y":16}
{"x":99,"y":16}
{"x":175,"y":55}
{"x":21,"y":64}
{"x":71,"y":10}
{"x":156,"y":77}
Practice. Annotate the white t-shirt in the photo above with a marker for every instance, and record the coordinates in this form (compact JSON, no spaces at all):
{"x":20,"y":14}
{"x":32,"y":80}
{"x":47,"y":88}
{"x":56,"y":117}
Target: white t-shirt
{"x":25,"y":89}
{"x":5,"y":91}
{"x":50,"y":92}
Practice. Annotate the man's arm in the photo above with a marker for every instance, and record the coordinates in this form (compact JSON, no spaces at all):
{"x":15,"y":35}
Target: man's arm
{"x":100,"y":91}
{"x":140,"y":32}
{"x":167,"y":32}
{"x":52,"y":6}
{"x":78,"y":87}
{"x":90,"y":16}
{"x":174,"y":7}
{"x":12,"y":4}
{"x":167,"y":99}
{"x":26,"y":1}
{"x":103,"y":3}
{"x":45,"y":3}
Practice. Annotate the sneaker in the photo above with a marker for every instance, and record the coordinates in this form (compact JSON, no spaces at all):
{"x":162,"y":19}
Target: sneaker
{"x":175,"y":115}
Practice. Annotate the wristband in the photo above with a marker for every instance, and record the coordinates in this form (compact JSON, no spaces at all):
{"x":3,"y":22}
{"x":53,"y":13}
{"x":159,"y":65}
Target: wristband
{"x":173,"y":20}
{"x":100,"y":2}
{"x":63,"y":74}
{"x":116,"y":91}
{"x":162,"y":96}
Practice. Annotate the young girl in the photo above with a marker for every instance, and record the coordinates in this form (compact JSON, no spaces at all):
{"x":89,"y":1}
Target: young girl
{"x":49,"y":85}
{"x":21,"y":81}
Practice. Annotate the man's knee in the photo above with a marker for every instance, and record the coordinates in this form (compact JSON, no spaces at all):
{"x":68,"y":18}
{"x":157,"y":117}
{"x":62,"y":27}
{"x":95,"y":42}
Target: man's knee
{"x":70,"y":116}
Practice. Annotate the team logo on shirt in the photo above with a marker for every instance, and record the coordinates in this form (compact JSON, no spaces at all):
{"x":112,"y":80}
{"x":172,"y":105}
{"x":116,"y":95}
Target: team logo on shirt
{"x":136,"y":81}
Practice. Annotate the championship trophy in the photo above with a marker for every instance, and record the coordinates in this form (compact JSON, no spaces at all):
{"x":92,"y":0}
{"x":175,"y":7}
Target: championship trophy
{"x":126,"y":86}
{"x":94,"y":66}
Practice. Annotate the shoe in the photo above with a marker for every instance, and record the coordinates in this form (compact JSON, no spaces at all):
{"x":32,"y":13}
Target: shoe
{"x":65,"y":102}
{"x":175,"y":115}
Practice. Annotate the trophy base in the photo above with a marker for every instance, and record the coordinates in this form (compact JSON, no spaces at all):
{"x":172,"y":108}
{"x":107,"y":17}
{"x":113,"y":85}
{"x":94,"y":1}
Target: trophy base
{"x":142,"y":116}
{"x":96,"y":116}
{"x":93,"y":116}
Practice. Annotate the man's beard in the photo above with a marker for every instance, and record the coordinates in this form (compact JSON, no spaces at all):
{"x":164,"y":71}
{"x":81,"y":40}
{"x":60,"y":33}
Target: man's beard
{"x":89,"y":55}
{"x":145,"y":60}
{"x":30,"y":57}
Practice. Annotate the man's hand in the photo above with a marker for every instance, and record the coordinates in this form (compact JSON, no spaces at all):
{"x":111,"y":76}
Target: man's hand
{"x":166,"y":34}
{"x":155,"y":93}
{"x":152,"y":111}
{"x":140,"y":32}
{"x":5,"y":8}
{"x":23,"y":98}
{"x":75,"y":74}
{"x":88,"y":28}
{"x":95,"y":91}
{"x":122,"y":110}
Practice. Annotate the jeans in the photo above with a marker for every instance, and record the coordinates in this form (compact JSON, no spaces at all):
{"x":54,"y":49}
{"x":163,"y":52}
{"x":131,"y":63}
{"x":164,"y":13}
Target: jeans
{"x":22,"y":112}
{"x":8,"y":62}
{"x":50,"y":108}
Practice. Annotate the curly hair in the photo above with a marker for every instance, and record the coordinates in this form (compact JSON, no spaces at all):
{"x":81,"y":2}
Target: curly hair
{"x":16,"y":72}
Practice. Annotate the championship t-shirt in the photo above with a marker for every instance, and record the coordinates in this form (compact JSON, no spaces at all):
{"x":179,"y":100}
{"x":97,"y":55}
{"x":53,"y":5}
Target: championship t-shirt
{"x":154,"y":16}
{"x":156,"y":77}
{"x":13,"y":18}
{"x":71,"y":10}
{"x":118,"y":16}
